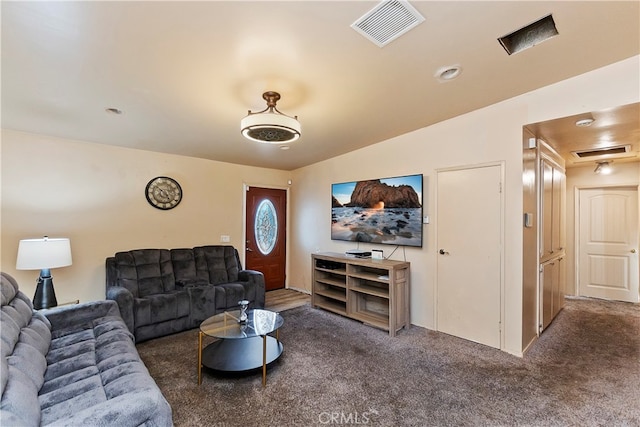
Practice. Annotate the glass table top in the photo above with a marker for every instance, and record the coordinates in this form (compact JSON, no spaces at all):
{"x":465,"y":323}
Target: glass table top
{"x":227,"y":325}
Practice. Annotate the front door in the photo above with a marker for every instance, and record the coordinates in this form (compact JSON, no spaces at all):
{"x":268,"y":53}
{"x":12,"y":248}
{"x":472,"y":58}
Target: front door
{"x":608,"y":243}
{"x":469,"y":263}
{"x":265,"y":229}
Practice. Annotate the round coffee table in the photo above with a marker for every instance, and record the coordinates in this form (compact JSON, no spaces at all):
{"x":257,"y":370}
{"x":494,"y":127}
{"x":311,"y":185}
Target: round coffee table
{"x":241,"y":346}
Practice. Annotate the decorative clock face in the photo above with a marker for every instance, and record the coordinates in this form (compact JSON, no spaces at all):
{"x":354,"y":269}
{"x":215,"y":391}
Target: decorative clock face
{"x":163,"y":192}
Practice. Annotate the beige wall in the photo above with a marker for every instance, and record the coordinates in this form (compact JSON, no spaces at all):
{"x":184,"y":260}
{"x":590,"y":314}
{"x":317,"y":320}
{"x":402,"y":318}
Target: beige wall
{"x":94,"y":194}
{"x":487,"y":135}
{"x":624,"y":174}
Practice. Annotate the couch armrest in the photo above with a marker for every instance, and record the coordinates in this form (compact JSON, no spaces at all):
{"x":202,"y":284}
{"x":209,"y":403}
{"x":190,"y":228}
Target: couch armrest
{"x":69,"y":316}
{"x":124,"y":299}
{"x":256,"y":277}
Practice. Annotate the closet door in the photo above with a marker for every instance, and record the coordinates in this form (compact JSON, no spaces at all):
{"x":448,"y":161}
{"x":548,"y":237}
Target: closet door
{"x":556,"y":211}
{"x":546,"y":240}
{"x":558,"y":286}
{"x":548,"y":281}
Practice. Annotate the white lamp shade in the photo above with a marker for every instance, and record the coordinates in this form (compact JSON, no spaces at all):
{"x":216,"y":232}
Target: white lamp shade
{"x":38,"y":254}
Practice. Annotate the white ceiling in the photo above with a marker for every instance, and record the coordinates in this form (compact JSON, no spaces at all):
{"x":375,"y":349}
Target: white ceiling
{"x":185,"y":73}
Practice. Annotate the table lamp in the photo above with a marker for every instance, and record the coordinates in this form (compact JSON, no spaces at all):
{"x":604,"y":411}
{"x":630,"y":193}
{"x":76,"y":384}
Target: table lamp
{"x":44,"y":254}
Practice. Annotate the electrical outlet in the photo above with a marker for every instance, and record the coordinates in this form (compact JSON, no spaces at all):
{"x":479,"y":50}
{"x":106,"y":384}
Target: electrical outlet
{"x":225,"y":239}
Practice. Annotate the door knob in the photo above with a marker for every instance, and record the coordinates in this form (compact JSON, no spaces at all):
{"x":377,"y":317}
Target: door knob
{"x":443,"y":252}
{"x":633,"y":251}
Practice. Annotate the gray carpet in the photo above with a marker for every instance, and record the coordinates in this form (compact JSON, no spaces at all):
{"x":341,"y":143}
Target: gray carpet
{"x":583,"y":371}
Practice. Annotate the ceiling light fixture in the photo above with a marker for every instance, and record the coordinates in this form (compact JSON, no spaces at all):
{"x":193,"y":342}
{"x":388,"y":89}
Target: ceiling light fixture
{"x":603,"y":168}
{"x":584,"y":122}
{"x":270,"y":125}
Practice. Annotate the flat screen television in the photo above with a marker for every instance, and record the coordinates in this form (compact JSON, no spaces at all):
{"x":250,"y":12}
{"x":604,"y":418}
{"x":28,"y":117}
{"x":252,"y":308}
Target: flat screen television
{"x":385,"y":210}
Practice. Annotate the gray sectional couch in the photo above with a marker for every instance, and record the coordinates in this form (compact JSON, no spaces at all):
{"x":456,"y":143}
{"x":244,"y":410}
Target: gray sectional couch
{"x":74,"y":365}
{"x":164,"y":291}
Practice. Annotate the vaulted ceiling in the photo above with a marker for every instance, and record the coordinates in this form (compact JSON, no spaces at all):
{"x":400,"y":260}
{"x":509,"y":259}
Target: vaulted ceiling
{"x":185,"y":73}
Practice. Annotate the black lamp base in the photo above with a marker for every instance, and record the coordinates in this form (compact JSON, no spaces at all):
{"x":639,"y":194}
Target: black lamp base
{"x":45,"y":296}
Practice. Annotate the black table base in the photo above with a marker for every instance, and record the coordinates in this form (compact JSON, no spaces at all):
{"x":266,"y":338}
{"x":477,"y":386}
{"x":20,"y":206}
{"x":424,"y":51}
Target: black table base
{"x":240,"y":355}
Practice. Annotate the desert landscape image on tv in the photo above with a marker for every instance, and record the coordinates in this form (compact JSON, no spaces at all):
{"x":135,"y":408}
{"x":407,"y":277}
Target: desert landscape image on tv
{"x":385,"y":210}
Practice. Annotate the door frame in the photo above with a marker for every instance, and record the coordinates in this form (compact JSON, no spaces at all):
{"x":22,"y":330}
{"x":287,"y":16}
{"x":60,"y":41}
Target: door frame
{"x":576,"y":223}
{"x":502,"y":165}
{"x":243,"y":257}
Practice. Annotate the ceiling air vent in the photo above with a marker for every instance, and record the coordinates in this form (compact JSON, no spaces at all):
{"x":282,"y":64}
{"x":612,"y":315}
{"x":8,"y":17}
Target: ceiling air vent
{"x":529,"y":36}
{"x":387,"y":21}
{"x":585,"y":154}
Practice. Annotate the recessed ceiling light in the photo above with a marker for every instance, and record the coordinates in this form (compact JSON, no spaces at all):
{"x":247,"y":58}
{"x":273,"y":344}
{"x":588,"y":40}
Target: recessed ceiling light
{"x":448,"y":73}
{"x":584,"y":122}
{"x":113,"y":110}
{"x":284,"y":147}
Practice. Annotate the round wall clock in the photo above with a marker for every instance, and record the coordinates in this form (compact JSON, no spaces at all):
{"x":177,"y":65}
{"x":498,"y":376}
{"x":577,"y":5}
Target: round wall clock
{"x":163,"y":192}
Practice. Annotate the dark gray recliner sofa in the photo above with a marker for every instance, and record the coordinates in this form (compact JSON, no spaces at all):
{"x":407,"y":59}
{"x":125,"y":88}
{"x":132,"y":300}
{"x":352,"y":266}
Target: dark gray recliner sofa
{"x":164,"y":291}
{"x":75,"y":365}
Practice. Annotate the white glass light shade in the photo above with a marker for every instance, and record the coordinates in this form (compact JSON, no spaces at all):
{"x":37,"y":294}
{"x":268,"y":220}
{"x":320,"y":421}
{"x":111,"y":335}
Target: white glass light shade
{"x":270,"y":127}
{"x":38,"y":254}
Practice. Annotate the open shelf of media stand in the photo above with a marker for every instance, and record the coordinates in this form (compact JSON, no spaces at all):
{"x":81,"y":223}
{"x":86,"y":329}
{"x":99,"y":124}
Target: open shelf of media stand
{"x":375,"y":292}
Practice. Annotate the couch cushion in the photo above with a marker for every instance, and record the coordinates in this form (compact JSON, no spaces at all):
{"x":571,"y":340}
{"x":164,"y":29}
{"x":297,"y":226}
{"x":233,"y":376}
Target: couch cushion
{"x":203,"y":303}
{"x":217,"y":263}
{"x":160,"y":307}
{"x":30,"y":361}
{"x":8,"y":288}
{"x":84,"y":365}
{"x":19,"y":399}
{"x":24,"y":341}
{"x":228,"y":295}
{"x":38,"y":333}
{"x":184,"y":268}
{"x":145,"y":271}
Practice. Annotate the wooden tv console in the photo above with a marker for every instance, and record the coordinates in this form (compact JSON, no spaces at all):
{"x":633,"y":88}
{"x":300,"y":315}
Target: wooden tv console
{"x":373,"y":291}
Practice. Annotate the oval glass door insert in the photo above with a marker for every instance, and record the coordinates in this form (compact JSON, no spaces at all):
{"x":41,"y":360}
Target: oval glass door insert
{"x":266,"y":227}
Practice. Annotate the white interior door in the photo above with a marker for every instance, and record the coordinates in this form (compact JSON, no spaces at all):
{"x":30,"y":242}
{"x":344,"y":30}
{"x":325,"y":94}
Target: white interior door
{"x":608,"y":243}
{"x":469,"y":266}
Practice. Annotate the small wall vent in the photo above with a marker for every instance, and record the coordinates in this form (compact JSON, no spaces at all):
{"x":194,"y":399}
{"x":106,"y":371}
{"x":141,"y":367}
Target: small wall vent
{"x":530,"y":35}
{"x":387,"y":21}
{"x":608,"y":151}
